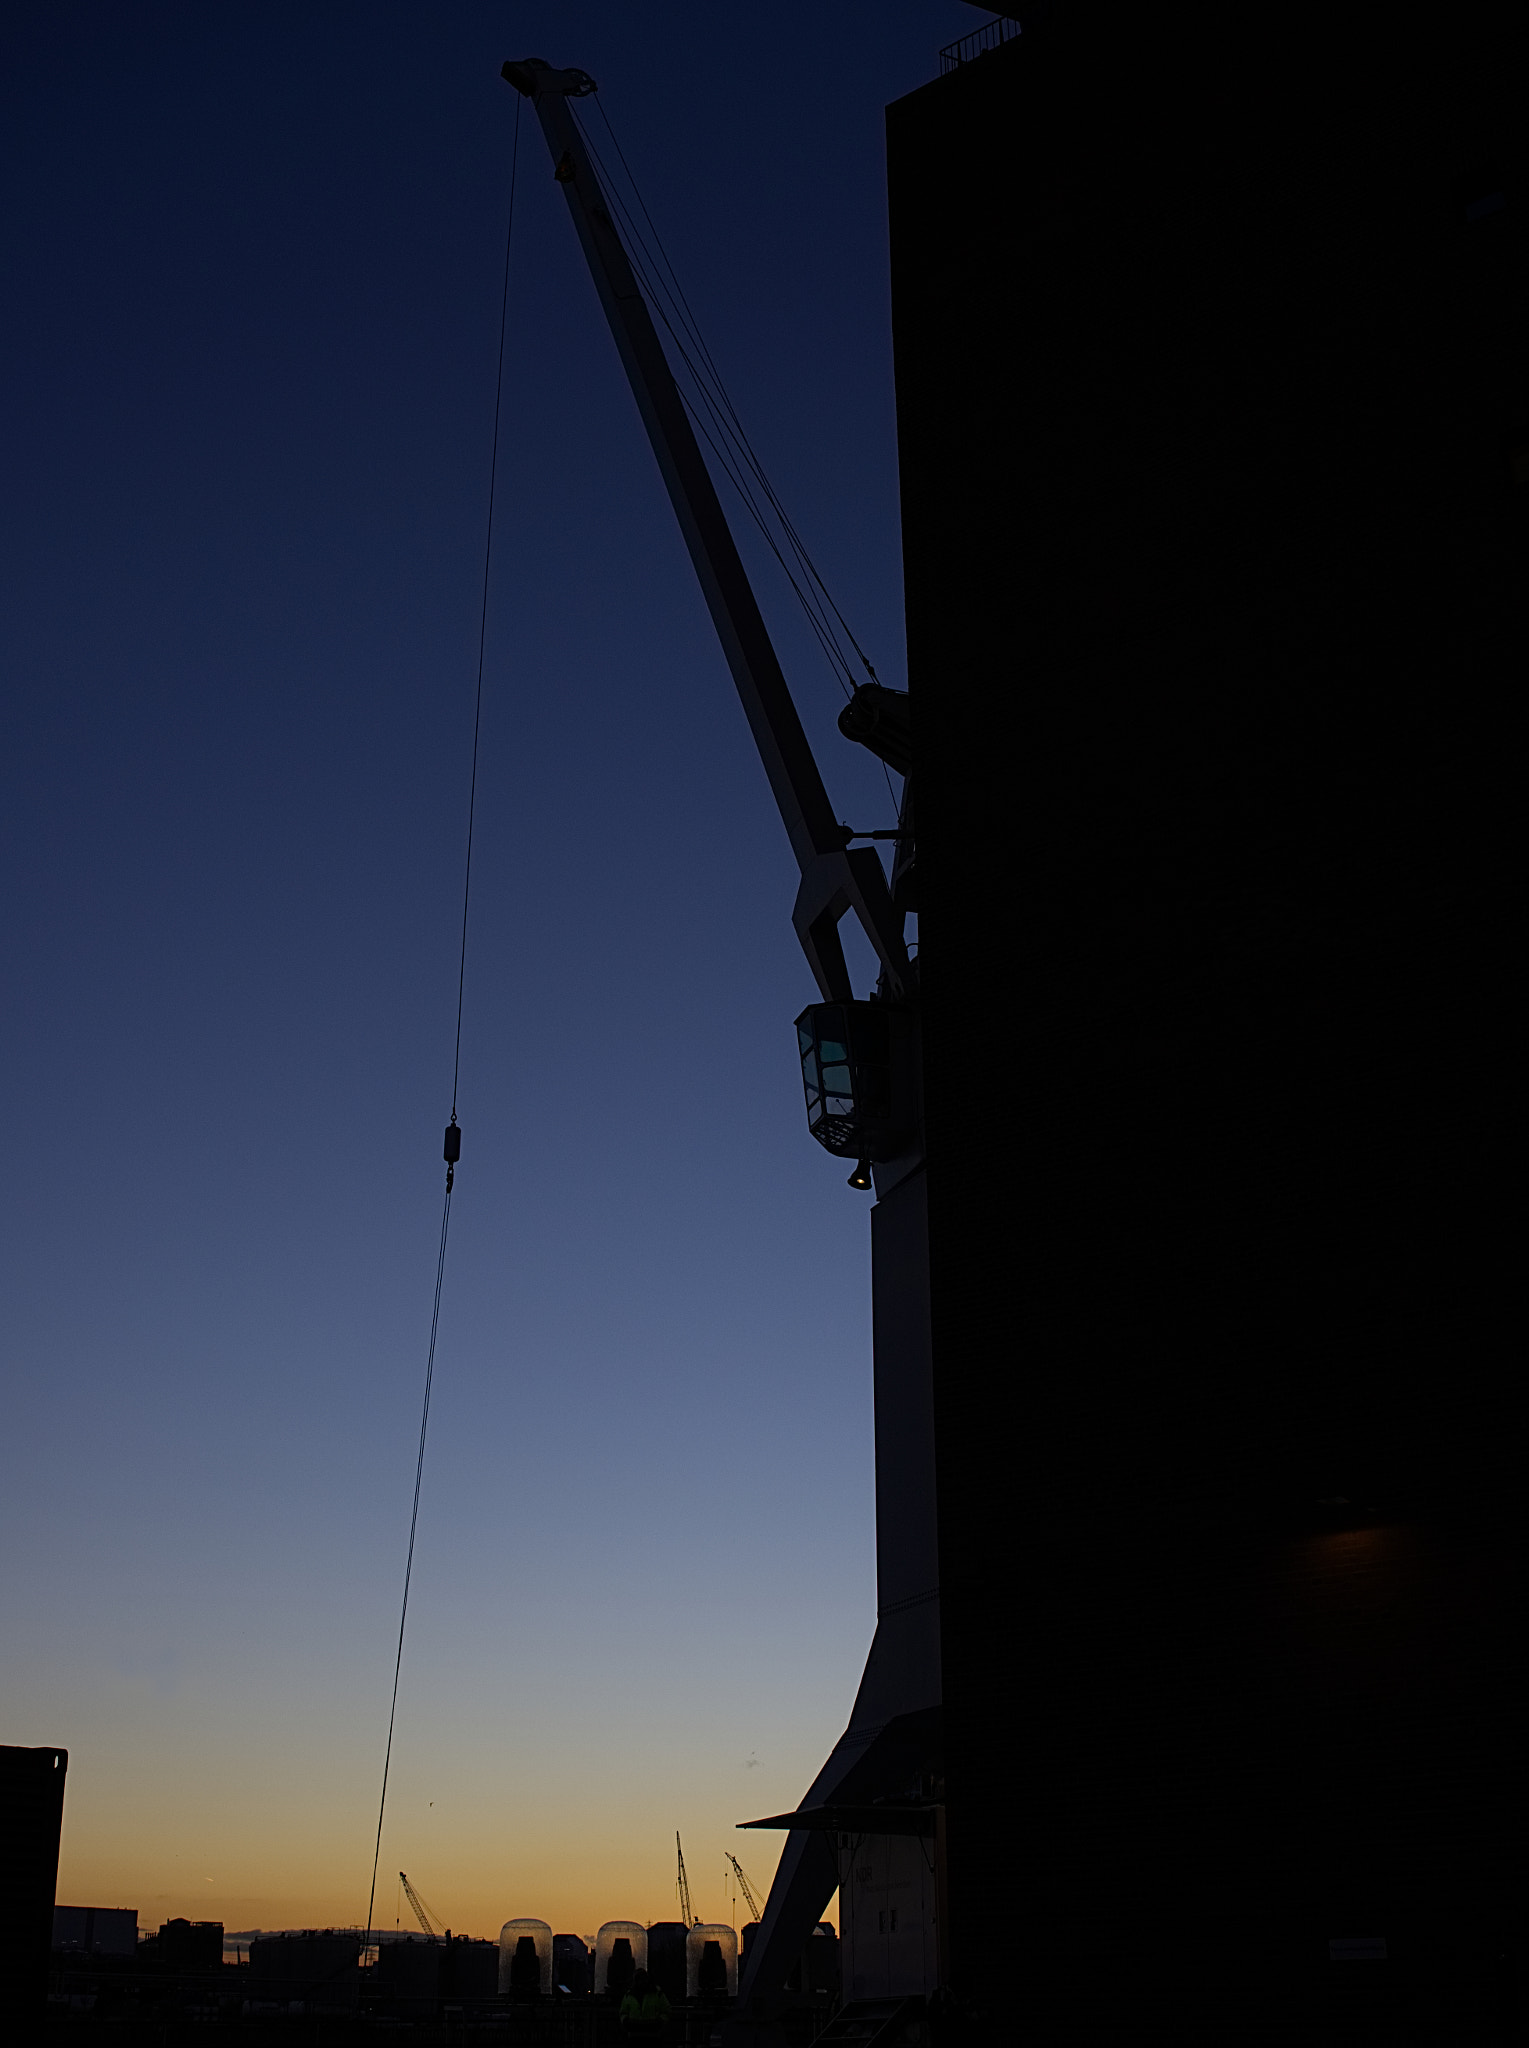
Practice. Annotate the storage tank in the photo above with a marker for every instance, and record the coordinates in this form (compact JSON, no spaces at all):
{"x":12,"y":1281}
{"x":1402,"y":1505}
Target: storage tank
{"x":711,"y":1961}
{"x":621,"y":1949}
{"x":666,"y":1957}
{"x":525,"y":1959}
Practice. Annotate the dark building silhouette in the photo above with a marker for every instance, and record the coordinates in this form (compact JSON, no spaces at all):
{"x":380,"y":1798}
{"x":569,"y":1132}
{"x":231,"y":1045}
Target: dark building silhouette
{"x":1213,"y":416}
{"x":666,"y":1957}
{"x":817,"y":1974}
{"x":31,"y":1819}
{"x":320,"y":1968}
{"x":621,"y":1969}
{"x":573,"y":1965}
{"x":184,"y":1945}
{"x":469,"y":1968}
{"x":406,"y":1979}
{"x":95,"y":1930}
{"x":416,"y":1975}
{"x":711,"y":1973}
{"x":525,"y":1970}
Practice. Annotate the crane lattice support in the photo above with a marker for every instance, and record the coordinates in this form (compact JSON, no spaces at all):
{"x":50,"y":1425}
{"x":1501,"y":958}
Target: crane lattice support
{"x":421,"y":1912}
{"x":685,"y":1912}
{"x":744,"y":1886}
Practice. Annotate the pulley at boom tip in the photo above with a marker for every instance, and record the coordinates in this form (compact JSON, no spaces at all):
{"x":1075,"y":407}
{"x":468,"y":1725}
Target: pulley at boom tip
{"x":531,"y":75}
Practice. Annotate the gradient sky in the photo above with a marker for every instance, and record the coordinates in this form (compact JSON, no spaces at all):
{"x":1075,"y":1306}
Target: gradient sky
{"x":253,"y":263}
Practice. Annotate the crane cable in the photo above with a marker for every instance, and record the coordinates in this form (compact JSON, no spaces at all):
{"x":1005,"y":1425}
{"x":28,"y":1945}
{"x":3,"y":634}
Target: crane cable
{"x":667,"y":299}
{"x":729,"y":442}
{"x":717,"y":400}
{"x":453,"y":1145}
{"x":668,"y":302}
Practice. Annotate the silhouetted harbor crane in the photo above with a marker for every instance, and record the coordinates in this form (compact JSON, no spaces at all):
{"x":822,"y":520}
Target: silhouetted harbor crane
{"x":861,"y":1074}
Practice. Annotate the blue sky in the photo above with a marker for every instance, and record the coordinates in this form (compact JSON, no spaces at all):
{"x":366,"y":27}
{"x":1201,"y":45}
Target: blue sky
{"x":254,"y":261}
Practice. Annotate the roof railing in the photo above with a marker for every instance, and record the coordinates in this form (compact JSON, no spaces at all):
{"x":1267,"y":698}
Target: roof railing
{"x":991,"y":36}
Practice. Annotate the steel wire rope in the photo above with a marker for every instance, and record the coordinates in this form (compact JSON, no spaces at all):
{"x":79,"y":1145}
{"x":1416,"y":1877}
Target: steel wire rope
{"x":842,"y":672}
{"x":733,"y":425}
{"x":729,"y":423}
{"x":456,"y":1065}
{"x":718,"y":401}
{"x":688,"y":319}
{"x":725,"y":417}
{"x":831,"y":653}
{"x":811,"y":604}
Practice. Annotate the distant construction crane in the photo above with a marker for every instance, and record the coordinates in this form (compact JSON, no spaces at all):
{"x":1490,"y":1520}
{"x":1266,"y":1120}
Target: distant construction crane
{"x":421,"y":1912}
{"x":744,"y":1886}
{"x":685,"y":1912}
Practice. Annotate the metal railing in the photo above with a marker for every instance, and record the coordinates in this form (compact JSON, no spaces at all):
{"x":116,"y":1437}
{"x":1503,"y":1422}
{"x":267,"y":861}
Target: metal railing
{"x":991,"y":36}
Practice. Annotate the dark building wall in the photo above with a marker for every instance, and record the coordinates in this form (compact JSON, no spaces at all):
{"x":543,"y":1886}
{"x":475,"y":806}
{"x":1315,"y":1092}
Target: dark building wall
{"x":95,"y":1930}
{"x":573,"y":1965}
{"x":1211,"y":366}
{"x":31,"y":1819}
{"x":320,"y":1968}
{"x":470,"y":1969}
{"x":666,"y":1957}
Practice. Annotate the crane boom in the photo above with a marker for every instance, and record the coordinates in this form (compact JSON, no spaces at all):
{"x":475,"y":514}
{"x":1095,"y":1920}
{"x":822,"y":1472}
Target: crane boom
{"x":744,"y":1886}
{"x":835,"y":878}
{"x":686,"y":1914}
{"x":421,"y":1914}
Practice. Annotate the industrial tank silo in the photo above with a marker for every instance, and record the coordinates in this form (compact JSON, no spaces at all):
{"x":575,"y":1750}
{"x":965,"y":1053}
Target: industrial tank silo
{"x":525,"y":1959}
{"x":621,"y":1949}
{"x":711,"y":1961}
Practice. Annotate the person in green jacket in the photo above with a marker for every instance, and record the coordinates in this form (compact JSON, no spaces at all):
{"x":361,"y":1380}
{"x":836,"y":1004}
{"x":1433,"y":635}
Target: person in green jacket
{"x":644,"y":2010}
